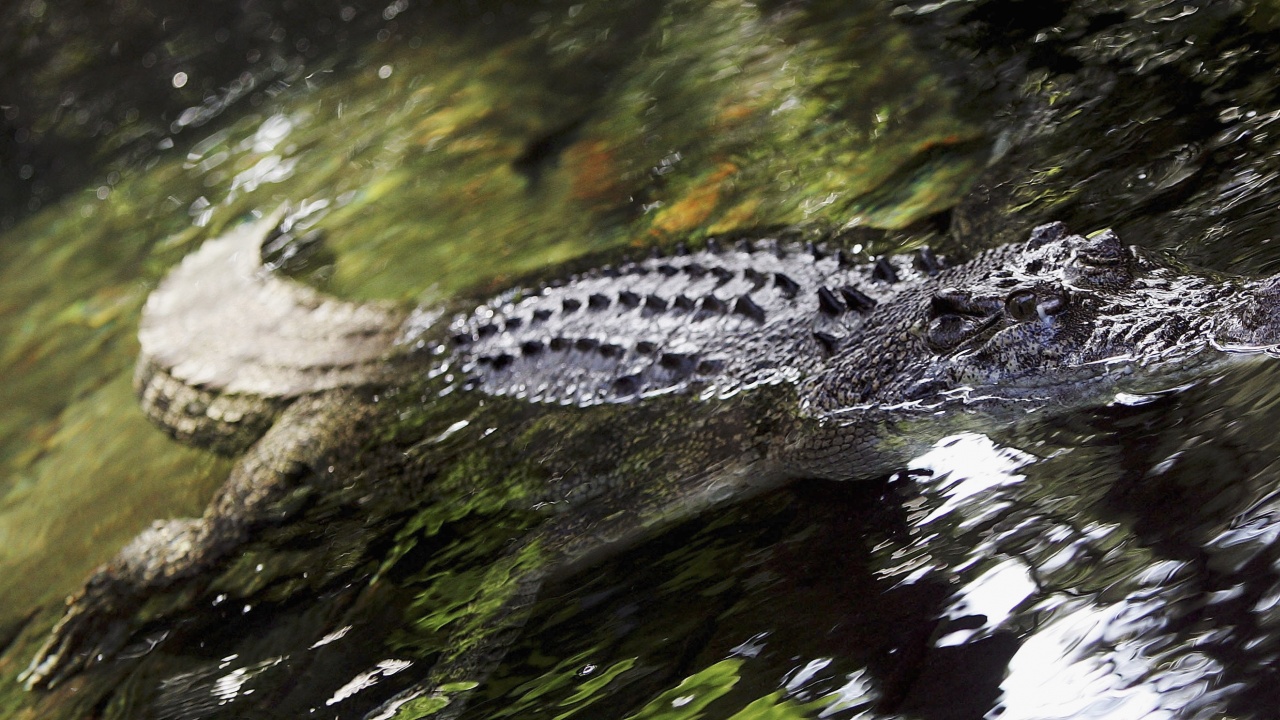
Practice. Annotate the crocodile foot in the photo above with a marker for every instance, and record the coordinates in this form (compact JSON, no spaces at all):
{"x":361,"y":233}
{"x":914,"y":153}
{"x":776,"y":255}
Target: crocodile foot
{"x":102,"y":616}
{"x":93,"y":629}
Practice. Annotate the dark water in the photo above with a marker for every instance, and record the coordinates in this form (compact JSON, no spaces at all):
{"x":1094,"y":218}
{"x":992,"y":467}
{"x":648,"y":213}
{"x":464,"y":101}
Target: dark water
{"x":1120,"y":563}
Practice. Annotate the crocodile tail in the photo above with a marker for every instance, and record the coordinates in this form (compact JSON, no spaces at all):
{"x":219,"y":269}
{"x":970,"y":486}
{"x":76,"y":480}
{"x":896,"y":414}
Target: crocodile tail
{"x":226,"y":424}
{"x":226,"y":343}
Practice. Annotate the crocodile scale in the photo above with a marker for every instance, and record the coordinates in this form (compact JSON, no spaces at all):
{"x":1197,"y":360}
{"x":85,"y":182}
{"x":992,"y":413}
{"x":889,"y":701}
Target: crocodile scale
{"x":714,"y":321}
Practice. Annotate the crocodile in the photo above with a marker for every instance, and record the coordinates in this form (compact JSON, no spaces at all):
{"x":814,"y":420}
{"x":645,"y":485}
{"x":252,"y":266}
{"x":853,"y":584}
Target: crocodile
{"x":877,"y":361}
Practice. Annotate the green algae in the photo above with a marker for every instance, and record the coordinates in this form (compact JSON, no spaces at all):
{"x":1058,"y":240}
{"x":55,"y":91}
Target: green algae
{"x":687,"y":700}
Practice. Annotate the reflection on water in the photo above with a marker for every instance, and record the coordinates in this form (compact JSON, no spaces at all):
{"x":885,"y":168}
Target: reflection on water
{"x":438,"y":150}
{"x":1079,"y":656}
{"x":1125,"y":569}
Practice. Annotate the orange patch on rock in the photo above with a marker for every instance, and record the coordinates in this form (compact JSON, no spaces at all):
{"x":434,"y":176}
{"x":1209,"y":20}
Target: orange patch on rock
{"x":739,"y":216}
{"x":595,"y":177}
{"x":943,"y":141}
{"x":696,"y":206}
{"x":730,"y":116}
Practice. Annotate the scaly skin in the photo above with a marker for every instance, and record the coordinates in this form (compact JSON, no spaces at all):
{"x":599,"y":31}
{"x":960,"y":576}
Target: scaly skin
{"x":842,"y":371}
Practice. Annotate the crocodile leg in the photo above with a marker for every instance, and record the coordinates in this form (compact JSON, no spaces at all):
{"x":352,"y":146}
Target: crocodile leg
{"x":101,"y":617}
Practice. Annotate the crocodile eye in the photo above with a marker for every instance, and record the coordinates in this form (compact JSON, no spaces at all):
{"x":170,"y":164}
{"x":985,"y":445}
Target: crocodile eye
{"x":1052,"y":306}
{"x":1021,"y":305}
{"x":1040,"y":304}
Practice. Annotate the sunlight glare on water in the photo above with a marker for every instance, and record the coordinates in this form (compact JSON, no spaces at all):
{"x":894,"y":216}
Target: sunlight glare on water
{"x":1097,"y":661}
{"x":965,"y":466}
{"x":991,"y":596}
{"x":1113,"y":653}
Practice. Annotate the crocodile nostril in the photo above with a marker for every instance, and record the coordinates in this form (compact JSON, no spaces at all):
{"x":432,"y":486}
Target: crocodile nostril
{"x":1103,"y":250}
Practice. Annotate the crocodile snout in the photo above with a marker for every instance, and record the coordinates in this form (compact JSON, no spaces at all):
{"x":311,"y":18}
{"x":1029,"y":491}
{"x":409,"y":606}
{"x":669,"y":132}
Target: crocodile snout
{"x":1255,"y":320}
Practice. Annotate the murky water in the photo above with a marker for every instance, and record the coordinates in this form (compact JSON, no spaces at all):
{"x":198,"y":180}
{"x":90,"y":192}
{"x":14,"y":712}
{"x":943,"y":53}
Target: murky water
{"x":1118,"y":564}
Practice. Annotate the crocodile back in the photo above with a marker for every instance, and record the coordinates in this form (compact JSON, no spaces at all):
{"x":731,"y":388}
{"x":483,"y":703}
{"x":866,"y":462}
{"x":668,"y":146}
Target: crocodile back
{"x":713,"y":322}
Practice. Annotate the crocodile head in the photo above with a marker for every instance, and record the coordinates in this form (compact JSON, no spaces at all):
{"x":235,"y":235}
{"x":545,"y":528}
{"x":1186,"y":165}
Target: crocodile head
{"x":1059,"y":319}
